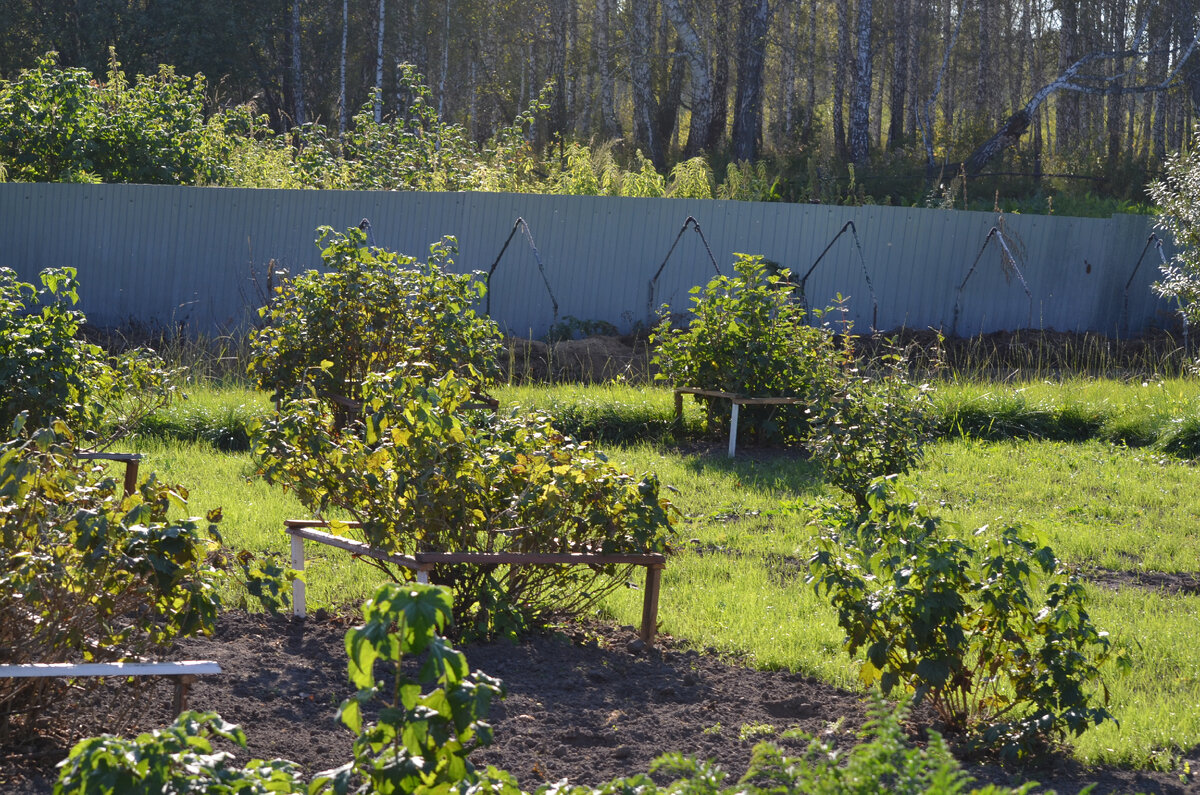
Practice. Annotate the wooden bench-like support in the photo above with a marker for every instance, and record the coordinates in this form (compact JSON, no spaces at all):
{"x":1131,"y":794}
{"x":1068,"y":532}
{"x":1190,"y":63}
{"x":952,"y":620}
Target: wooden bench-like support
{"x":736,"y":400}
{"x":302,"y":530}
{"x":184,"y":673}
{"x":131,"y":461}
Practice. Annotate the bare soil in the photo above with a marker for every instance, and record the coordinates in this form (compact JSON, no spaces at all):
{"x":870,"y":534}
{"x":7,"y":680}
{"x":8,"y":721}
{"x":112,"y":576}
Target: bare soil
{"x":581,"y":705}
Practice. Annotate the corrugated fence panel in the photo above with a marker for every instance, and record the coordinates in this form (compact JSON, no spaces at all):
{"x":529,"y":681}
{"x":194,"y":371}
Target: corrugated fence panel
{"x":197,"y":257}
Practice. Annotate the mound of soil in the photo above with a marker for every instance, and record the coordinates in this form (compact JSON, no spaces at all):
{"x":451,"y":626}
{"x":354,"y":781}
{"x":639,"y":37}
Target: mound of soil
{"x":581,"y":705}
{"x":593,"y":360}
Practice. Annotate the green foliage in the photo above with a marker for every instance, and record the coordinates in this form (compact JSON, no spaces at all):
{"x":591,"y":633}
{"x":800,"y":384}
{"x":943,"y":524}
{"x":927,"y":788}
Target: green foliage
{"x":691,"y":179}
{"x":426,"y":724}
{"x":874,"y":422}
{"x":371,"y":310}
{"x":747,"y":334}
{"x":59,"y":125}
{"x":50,"y":374}
{"x":86,"y":573}
{"x":179,"y":758}
{"x":746,"y":181}
{"x":414,"y":151}
{"x":422,"y":476}
{"x":1177,"y":195}
{"x":996,"y":637}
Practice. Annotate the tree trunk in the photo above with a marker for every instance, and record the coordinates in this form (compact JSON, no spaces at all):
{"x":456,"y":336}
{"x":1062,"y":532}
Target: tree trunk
{"x":840,"y":69}
{"x":342,"y":70}
{"x":380,"y":20}
{"x":720,"y":91}
{"x":445,"y":61}
{"x":901,"y":19}
{"x":645,"y":110}
{"x":668,"y":105}
{"x":811,"y":67}
{"x":752,"y":47}
{"x":1068,"y":52}
{"x":701,"y":79}
{"x":300,"y":113}
{"x":608,"y":111}
{"x":860,"y":98}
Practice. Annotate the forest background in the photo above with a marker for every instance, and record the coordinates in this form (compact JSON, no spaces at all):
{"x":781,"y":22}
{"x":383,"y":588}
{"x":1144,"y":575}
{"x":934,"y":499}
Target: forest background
{"x":1039,"y":105}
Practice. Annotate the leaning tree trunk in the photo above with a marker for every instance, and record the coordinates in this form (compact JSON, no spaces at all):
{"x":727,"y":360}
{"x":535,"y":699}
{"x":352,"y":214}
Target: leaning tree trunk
{"x":747,"y":120}
{"x":701,"y":79}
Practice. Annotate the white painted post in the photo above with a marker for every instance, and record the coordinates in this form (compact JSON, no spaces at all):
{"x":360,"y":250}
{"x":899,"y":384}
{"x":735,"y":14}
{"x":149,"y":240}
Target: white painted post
{"x":733,"y":418}
{"x":423,"y":576}
{"x":299,"y":608}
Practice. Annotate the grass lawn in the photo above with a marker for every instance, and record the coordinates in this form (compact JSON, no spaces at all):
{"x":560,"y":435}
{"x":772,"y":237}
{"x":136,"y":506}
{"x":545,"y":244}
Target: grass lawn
{"x":737,"y":582}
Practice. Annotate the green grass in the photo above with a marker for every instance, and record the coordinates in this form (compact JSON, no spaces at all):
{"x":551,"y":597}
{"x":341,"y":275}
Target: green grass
{"x":736,"y":582}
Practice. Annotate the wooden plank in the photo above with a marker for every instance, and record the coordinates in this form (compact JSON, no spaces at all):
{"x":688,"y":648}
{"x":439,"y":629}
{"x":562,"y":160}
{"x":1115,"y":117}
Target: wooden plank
{"x":357,"y":547}
{"x":570,"y":558}
{"x":182,"y":668}
{"x":691,"y":390}
{"x":422,"y":562}
{"x":131,"y":461}
{"x":768,"y":401}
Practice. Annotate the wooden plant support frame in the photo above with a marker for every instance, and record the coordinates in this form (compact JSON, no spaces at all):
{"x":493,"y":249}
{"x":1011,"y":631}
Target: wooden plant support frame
{"x":736,"y":400}
{"x":131,"y":461}
{"x":184,"y":673}
{"x":302,"y":530}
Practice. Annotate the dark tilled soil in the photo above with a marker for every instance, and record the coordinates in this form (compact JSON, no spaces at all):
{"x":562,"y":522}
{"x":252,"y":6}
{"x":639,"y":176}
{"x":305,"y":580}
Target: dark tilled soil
{"x":580,"y":705}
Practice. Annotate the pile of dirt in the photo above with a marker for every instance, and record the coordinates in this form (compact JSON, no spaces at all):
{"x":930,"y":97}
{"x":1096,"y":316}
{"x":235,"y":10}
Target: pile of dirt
{"x":581,"y":705}
{"x":593,"y":360}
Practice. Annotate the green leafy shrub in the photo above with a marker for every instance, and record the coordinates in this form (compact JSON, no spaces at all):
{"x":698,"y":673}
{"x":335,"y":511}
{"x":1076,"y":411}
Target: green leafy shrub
{"x":49,"y":373}
{"x":997,"y":638}
{"x":428,"y":724}
{"x":369,"y":311}
{"x":59,"y":125}
{"x":748,"y":335}
{"x":1177,"y":195}
{"x":87,"y":574}
{"x":871,"y":424}
{"x":423,"y":476}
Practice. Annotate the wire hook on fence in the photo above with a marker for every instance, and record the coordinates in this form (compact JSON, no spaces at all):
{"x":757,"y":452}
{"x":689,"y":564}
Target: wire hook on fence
{"x":803,"y":283}
{"x":997,"y":233}
{"x":1156,"y":241}
{"x":650,"y":309}
{"x":524,"y":227}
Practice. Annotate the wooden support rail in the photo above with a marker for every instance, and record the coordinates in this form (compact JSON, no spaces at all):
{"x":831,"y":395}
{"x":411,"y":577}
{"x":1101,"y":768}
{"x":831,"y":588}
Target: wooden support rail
{"x":184,"y":673}
{"x":302,"y":530}
{"x":736,"y":400}
{"x":131,"y":461}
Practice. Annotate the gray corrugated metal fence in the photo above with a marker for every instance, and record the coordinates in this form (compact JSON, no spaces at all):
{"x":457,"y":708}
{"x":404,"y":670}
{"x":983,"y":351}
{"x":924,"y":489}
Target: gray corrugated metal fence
{"x":189,"y":256}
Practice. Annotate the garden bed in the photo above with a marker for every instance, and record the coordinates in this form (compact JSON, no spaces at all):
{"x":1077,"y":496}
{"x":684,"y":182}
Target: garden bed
{"x":580,"y":706}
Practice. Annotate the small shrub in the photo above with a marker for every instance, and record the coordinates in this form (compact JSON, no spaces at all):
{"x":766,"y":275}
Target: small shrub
{"x":87,"y":574}
{"x":423,"y":476}
{"x":49,"y":373}
{"x":872,"y":424}
{"x":370,"y":311}
{"x":747,"y":334}
{"x":997,"y":639}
